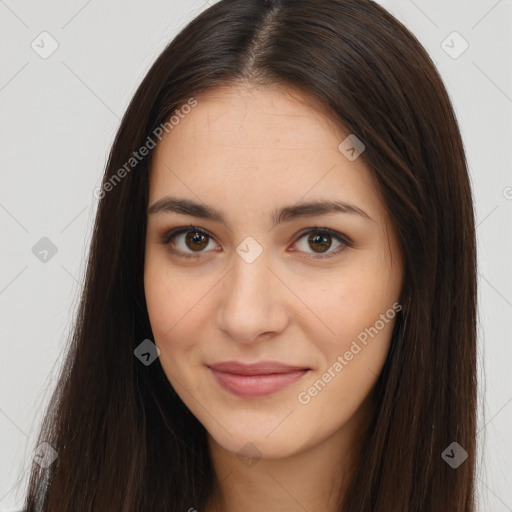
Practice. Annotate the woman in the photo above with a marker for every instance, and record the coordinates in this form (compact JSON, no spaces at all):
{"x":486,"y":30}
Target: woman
{"x":280,"y":299}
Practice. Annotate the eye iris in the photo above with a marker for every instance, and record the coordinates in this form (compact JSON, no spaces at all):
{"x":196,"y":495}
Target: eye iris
{"x":319,"y":239}
{"x":196,"y":238}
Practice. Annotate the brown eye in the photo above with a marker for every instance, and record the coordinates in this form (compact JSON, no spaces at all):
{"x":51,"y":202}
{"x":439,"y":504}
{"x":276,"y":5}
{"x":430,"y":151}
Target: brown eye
{"x":187,"y":242}
{"x":321,"y":242}
{"x":196,"y":240}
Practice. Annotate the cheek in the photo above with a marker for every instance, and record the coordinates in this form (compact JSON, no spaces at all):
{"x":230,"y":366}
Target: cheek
{"x":345,"y":306}
{"x":176,"y":306}
{"x":354,"y":319}
{"x":160,"y":304}
{"x":165,"y":306}
{"x":164,"y":313}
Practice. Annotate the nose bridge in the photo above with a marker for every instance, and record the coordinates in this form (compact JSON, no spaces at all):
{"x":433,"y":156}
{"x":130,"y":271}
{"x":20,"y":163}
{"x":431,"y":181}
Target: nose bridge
{"x":250,"y":304}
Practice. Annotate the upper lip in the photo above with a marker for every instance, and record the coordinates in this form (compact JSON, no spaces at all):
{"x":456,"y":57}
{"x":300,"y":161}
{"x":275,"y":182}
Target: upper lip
{"x":262,"y":368}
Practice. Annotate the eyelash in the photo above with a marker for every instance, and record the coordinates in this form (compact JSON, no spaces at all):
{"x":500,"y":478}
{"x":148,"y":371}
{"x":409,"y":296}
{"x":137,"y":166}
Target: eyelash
{"x":339,"y":237}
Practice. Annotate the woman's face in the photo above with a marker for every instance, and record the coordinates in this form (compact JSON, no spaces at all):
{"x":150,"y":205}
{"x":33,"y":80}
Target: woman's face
{"x":262,"y":283}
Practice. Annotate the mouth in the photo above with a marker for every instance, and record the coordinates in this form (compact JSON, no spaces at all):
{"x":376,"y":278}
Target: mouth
{"x":256,"y":380}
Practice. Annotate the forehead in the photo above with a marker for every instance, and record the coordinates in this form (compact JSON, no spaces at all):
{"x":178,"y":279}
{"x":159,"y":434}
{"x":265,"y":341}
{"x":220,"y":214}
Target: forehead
{"x":278,"y":116}
{"x":257,"y":148}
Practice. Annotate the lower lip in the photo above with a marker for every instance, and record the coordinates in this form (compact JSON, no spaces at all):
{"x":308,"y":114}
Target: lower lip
{"x":256,"y":385}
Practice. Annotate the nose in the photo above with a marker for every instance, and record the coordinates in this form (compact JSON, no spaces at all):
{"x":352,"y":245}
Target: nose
{"x":252,"y":305}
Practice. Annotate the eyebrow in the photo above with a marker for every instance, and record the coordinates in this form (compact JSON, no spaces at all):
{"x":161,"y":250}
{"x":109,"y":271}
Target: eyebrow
{"x":279,"y":216}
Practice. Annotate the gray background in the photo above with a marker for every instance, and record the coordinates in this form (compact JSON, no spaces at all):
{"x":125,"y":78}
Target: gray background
{"x":58,"y":120}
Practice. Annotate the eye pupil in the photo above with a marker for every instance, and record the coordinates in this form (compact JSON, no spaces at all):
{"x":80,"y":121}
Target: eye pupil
{"x":196,"y":238}
{"x":317,"y":239}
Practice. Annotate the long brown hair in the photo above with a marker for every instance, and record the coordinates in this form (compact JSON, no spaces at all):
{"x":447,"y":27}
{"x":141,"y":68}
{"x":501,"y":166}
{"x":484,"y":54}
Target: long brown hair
{"x":124,"y":439}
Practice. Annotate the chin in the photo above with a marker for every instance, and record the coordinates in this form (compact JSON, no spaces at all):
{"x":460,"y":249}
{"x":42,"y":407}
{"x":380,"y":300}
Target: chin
{"x":247,"y":442}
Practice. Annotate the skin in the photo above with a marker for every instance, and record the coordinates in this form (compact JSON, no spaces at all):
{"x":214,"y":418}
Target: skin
{"x":246,"y":151}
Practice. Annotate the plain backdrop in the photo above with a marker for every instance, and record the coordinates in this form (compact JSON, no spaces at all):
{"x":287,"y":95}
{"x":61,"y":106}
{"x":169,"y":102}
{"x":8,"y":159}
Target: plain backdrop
{"x":58,"y":117}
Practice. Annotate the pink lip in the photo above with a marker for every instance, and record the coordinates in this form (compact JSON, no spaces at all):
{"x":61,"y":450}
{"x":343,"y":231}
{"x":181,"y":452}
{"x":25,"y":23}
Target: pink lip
{"x":256,"y":380}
